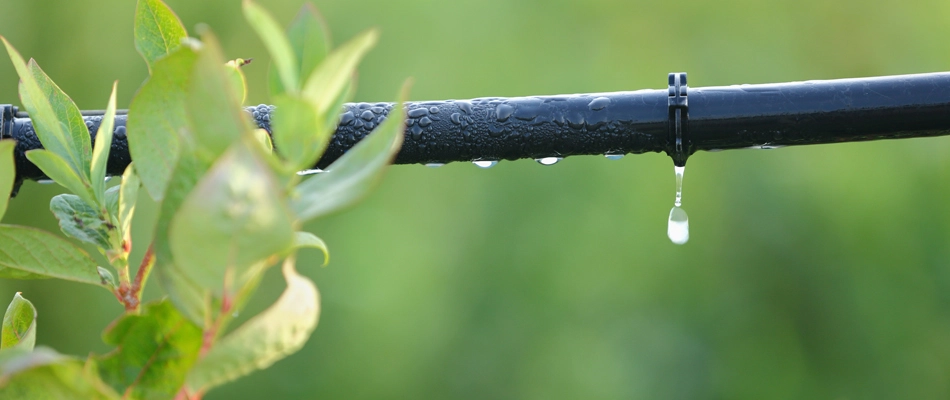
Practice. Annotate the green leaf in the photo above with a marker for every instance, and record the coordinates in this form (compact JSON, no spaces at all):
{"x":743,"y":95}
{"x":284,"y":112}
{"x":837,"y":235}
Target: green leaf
{"x":354,"y":174}
{"x":237,"y":78}
{"x":57,"y":169}
{"x":158,"y":31}
{"x":128,"y":194}
{"x":263,"y":138}
{"x":299,"y":135}
{"x":67,"y":113}
{"x":310,"y":40}
{"x":309,"y":240}
{"x":157,"y":117}
{"x":7,"y":173}
{"x":45,"y":374}
{"x":28,"y":253}
{"x":187,"y":296}
{"x":56,"y":119}
{"x":112,"y":200}
{"x":233,"y":219}
{"x":276,"y":42}
{"x":153,"y":352}
{"x":79,"y":220}
{"x":100,"y":153}
{"x":214,"y":114}
{"x":270,"y":336}
{"x":19,"y":324}
{"x":325,"y":85}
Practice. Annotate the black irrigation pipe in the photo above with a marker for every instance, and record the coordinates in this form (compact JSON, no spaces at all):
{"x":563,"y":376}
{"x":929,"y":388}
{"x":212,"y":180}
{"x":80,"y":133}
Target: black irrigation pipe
{"x":676,"y":120}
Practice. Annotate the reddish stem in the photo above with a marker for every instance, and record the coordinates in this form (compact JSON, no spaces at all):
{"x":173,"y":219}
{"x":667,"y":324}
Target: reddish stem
{"x":144,"y":270}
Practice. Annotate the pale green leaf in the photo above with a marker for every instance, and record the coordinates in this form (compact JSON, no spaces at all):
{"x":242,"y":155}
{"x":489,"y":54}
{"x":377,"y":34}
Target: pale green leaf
{"x":28,"y":253}
{"x":277,"y":332}
{"x":19,"y":324}
{"x":100,"y":152}
{"x":158,"y":31}
{"x":53,"y":114}
{"x":45,"y":374}
{"x":310,"y":40}
{"x":263,"y":138}
{"x":153,"y":352}
{"x":7,"y":173}
{"x":276,"y":42}
{"x":112,"y":200}
{"x":355,"y":173}
{"x":77,"y":143}
{"x":214,"y":114}
{"x":309,"y":240}
{"x":58,"y":170}
{"x":187,"y":296}
{"x":299,"y":134}
{"x":107,"y":279}
{"x":157,"y":118}
{"x":80,"y":221}
{"x":325,"y":85}
{"x":236,"y":77}
{"x":233,"y":219}
{"x":128,"y":194}
{"x":333,"y":118}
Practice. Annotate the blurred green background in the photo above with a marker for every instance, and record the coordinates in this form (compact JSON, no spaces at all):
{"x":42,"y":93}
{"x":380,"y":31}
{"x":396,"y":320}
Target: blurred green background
{"x":815,"y":272}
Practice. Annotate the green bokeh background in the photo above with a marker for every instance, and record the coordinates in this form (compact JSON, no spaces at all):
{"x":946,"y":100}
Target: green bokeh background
{"x":815,"y":272}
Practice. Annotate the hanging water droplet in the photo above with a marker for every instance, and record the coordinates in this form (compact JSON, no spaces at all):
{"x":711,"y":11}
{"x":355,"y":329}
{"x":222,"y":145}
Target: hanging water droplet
{"x":45,"y":181}
{"x":613,"y":156}
{"x":310,"y":172}
{"x":485,"y":163}
{"x":549,"y":160}
{"x":677,"y":228}
{"x":434,"y":165}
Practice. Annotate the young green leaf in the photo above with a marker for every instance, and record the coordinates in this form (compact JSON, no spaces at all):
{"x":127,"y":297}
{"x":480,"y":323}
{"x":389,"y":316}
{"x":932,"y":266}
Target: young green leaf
{"x":263,"y":138}
{"x":325,"y":85}
{"x":57,"y":169}
{"x":352,"y":176}
{"x":45,"y":374}
{"x":153,"y":352}
{"x":100,"y":152}
{"x":128,"y":194}
{"x":53,"y":114}
{"x":158,"y":31}
{"x":270,"y":336}
{"x":214,"y":113}
{"x":112,"y":200}
{"x":299,"y":134}
{"x":237,"y":78}
{"x":80,"y":221}
{"x":67,"y":113}
{"x":309,"y":240}
{"x":7,"y":173}
{"x":233,"y":219}
{"x":310,"y":40}
{"x":276,"y":42}
{"x":19,"y":324}
{"x":28,"y":253}
{"x":157,"y":118}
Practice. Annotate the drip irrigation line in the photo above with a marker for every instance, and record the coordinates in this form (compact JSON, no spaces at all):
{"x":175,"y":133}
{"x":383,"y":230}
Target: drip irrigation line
{"x":678,"y":120}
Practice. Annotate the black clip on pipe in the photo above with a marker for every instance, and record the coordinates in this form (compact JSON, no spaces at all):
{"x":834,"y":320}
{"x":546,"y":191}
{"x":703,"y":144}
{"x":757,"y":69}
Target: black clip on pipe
{"x":678,"y":104}
{"x":7,"y":113}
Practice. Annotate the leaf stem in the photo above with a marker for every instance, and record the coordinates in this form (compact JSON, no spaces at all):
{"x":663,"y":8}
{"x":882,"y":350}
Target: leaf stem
{"x":145,"y":269}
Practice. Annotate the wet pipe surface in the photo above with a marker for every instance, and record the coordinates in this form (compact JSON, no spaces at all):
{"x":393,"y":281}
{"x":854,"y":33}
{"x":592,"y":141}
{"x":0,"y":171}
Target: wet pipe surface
{"x":547,"y":128}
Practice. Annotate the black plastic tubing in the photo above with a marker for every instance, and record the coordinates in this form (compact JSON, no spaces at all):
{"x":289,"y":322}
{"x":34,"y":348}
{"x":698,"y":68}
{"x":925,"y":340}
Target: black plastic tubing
{"x":718,"y":118}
